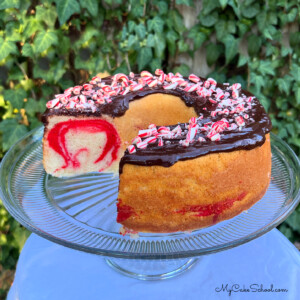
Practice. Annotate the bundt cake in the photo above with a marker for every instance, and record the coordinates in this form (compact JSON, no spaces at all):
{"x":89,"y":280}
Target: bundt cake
{"x":204,"y":158}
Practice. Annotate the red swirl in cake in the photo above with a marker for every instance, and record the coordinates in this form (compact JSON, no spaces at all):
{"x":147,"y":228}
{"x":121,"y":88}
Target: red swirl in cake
{"x":57,"y":141}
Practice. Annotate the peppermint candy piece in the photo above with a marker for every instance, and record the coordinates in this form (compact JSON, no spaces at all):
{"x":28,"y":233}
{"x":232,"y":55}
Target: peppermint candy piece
{"x":170,"y":86}
{"x":163,"y":130}
{"x":215,"y":137}
{"x":142,"y":145}
{"x":131,"y":149}
{"x":194,"y":78}
{"x":52,"y":103}
{"x":136,"y":140}
{"x":153,"y":83}
{"x":150,"y":140}
{"x":191,"y":134}
{"x":159,"y":72}
{"x":146,"y":132}
{"x":240,"y":121}
{"x":220,"y":126}
{"x":146,"y":74}
{"x":136,"y":87}
{"x":236,"y":86}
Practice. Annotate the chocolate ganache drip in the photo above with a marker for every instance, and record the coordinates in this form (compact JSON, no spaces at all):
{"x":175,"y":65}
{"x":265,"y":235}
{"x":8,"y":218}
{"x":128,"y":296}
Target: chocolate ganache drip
{"x":229,"y":118}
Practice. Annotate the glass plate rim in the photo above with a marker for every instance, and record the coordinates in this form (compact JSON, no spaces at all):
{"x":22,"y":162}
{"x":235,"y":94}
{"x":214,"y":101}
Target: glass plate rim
{"x":185,"y":254}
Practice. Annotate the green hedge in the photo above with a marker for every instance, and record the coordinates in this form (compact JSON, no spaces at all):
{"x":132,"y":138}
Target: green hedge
{"x":47,"y":46}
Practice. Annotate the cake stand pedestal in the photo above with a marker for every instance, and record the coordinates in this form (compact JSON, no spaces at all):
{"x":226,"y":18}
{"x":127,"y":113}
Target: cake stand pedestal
{"x":151,"y":269}
{"x":80,"y":213}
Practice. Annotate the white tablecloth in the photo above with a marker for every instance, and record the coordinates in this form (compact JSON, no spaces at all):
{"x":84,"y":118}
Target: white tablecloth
{"x":49,"y":271}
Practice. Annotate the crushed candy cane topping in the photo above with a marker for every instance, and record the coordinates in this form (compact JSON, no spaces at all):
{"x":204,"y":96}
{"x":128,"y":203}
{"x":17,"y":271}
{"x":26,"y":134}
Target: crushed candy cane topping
{"x":229,"y":107}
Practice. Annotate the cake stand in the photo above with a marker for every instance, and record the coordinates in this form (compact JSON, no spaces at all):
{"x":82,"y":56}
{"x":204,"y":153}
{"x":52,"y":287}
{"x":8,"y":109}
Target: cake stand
{"x":80,"y":213}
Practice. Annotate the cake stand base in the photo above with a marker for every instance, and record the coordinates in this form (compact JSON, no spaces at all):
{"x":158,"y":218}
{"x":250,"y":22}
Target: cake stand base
{"x":151,"y":269}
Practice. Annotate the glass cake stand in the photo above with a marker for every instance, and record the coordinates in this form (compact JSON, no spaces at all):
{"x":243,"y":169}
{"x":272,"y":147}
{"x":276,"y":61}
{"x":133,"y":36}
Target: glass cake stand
{"x":80,"y":213}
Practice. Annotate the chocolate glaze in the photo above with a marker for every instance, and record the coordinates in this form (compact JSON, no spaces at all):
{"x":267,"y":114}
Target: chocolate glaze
{"x":246,"y":138}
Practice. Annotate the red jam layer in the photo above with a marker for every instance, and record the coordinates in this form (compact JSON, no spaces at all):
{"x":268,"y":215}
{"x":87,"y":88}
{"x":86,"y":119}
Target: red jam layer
{"x":124,"y":212}
{"x":57,"y":140}
{"x":212,"y":209}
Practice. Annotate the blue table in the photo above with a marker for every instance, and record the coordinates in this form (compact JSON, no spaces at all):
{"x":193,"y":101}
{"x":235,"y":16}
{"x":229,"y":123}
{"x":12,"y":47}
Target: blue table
{"x":49,"y":271}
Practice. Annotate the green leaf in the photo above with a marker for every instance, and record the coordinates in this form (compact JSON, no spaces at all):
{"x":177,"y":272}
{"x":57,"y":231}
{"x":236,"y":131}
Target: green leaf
{"x":294,"y":221}
{"x":11,"y":132}
{"x":156,"y":24}
{"x":91,"y":6}
{"x":297,"y":93}
{"x":124,"y":33}
{"x":295,"y":71}
{"x":242,"y":60}
{"x":58,"y":70}
{"x":162,"y":7}
{"x":155,"y":64}
{"x":172,"y":37}
{"x":140,"y":31}
{"x":198,"y":37}
{"x":65,"y":9}
{"x":132,"y":39}
{"x":294,"y":39}
{"x":224,"y":28}
{"x":209,"y":6}
{"x":185,"y":2}
{"x":183,"y":46}
{"x":223,"y":3}
{"x":4,"y":4}
{"x":150,"y":40}
{"x":264,"y":101}
{"x":213,"y":52}
{"x":64,"y":45}
{"x":292,"y":15}
{"x":137,"y":9}
{"x":12,"y":32}
{"x":258,"y":82}
{"x":250,"y":11}
{"x":15,"y":97}
{"x":176,"y":20}
{"x":243,"y":28}
{"x":6,"y":48}
{"x":44,"y":40}
{"x":87,"y":35}
{"x":231,"y":47}
{"x":209,"y":20}
{"x":286,"y":51}
{"x":221,"y":29}
{"x":32,"y":25}
{"x":261,"y":20}
{"x":236,"y":7}
{"x":266,"y":68}
{"x":287,"y":231}
{"x":144,"y":57}
{"x":254,"y":44}
{"x":131,"y":26}
{"x":284,"y":84}
{"x":46,"y":14}
{"x":183,"y":70}
{"x":33,"y":106}
{"x":159,"y":45}
{"x":27,"y":50}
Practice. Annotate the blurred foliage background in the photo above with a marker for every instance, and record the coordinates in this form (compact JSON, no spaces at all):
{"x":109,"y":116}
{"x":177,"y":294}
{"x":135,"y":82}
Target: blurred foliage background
{"x":47,"y":46}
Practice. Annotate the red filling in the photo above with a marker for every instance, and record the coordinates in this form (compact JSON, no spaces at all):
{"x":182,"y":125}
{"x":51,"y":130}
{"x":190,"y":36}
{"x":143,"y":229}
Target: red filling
{"x":212,"y":209}
{"x":124,"y":212}
{"x":57,"y":140}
